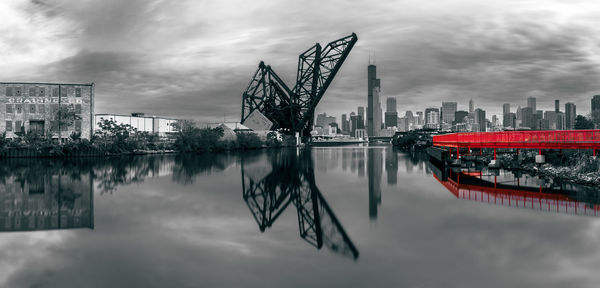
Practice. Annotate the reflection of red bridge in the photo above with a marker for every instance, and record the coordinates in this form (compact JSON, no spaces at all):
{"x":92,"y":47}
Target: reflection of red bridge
{"x":544,"y":199}
{"x":567,"y":139}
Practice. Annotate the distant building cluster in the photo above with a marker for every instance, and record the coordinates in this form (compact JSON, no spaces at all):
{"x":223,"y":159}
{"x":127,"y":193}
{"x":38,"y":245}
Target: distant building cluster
{"x":447,"y":117}
{"x":140,"y":122}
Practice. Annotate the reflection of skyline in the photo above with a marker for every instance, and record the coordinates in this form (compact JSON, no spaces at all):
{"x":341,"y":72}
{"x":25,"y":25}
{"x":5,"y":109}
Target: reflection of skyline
{"x":561,"y":198}
{"x":289,"y":179}
{"x":374,"y":163}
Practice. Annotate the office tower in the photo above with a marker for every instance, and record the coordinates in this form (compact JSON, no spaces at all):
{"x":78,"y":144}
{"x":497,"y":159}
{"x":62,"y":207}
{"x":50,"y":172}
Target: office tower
{"x":494,"y":120}
{"x":560,"y":121}
{"x":410,"y":118}
{"x":556,"y":106}
{"x":352,"y":124}
{"x":509,"y":120}
{"x":419,"y":119}
{"x":373,"y":107}
{"x":361,"y":113}
{"x":527,"y":117}
{"x":345,"y":126}
{"x":459,"y":116}
{"x":360,"y":122}
{"x":448,"y":110}
{"x":570,"y":114}
{"x":391,"y":119}
{"x":323,"y":120}
{"x":505,"y":108}
{"x":403,"y":124}
{"x":531,"y":104}
{"x":432,"y":118}
{"x":596,"y":109}
{"x":480,"y":120}
{"x":471,"y":106}
{"x":551,"y":117}
{"x":390,"y":104}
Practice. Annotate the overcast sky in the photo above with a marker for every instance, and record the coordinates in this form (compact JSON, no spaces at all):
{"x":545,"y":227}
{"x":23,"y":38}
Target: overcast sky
{"x":193,"y":59}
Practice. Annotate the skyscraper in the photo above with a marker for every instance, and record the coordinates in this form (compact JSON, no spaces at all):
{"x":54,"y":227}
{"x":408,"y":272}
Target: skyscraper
{"x":345,"y":126}
{"x":471,"y":106}
{"x":432,"y":118}
{"x":361,"y":113}
{"x":390,"y":104}
{"x":373,"y":107}
{"x":480,"y":120}
{"x":570,"y":114}
{"x":556,"y":105}
{"x":448,"y":111}
{"x":596,"y":109}
{"x":531,"y":104}
{"x":505,"y":108}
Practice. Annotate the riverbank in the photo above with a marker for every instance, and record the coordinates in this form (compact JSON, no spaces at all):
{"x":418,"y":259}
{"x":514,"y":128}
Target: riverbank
{"x":575,"y":167}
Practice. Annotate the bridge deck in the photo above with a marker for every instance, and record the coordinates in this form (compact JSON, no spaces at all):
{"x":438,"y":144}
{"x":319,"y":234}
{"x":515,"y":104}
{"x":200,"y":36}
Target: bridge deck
{"x":556,"y":139}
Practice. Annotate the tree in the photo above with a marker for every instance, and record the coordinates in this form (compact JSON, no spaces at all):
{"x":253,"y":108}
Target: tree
{"x":65,"y":116}
{"x":582,"y":122}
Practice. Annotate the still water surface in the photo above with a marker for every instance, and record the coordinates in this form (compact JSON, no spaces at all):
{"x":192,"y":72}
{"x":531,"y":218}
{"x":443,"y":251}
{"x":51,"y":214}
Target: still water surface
{"x":322,"y":217}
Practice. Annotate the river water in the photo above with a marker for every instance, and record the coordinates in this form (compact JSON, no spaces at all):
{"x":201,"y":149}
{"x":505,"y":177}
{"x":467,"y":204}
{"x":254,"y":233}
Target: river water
{"x":354,"y":216}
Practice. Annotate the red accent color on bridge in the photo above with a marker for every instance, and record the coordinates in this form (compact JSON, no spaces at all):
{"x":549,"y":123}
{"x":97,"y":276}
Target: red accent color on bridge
{"x":556,"y":139}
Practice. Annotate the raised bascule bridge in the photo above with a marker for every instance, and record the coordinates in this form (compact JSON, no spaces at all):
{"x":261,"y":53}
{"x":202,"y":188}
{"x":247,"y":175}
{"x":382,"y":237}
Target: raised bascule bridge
{"x":269,"y":104}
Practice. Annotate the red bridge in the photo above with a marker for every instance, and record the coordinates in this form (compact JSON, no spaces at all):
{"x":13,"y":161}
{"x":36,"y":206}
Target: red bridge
{"x":556,"y":139}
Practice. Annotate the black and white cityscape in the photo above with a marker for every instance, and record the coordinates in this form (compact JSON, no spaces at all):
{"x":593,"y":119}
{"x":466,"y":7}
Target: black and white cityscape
{"x":156,"y":143}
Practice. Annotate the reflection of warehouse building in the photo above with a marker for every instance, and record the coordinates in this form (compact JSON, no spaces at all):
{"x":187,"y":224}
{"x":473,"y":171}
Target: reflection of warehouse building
{"x":46,"y":201}
{"x":138,"y":121}
{"x":34,"y":107}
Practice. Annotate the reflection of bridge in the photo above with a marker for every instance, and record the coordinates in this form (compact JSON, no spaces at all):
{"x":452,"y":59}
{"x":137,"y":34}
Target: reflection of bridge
{"x":470,"y":186}
{"x":291,"y":180}
{"x":568,"y":139}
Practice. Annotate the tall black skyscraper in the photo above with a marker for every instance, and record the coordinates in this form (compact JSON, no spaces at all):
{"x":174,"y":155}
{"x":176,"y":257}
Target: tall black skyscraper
{"x":596,"y":109}
{"x":556,"y":106}
{"x":374,"y":106}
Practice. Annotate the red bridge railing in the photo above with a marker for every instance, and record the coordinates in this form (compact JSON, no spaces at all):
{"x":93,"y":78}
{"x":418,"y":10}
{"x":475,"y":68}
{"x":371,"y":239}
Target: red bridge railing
{"x":555,"y":139}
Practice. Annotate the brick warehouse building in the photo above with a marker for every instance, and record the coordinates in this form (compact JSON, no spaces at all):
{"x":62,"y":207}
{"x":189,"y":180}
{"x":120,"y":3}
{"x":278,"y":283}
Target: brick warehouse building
{"x":34,"y":107}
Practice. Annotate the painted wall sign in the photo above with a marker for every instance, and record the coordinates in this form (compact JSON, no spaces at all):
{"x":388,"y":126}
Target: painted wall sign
{"x":41,"y":100}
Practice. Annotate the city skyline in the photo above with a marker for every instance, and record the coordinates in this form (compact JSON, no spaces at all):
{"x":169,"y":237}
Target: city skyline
{"x":198,"y":67}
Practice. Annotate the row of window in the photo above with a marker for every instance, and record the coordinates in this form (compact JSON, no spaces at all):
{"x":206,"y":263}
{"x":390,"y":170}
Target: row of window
{"x":31,"y":108}
{"x":41,"y":92}
{"x":19,"y":126}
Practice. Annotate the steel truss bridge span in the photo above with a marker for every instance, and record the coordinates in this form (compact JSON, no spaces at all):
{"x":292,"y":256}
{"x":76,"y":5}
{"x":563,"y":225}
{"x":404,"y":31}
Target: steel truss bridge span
{"x":293,"y":108}
{"x":559,"y":139}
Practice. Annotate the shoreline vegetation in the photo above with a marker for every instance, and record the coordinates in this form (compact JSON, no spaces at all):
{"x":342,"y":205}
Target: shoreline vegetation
{"x":114,"y":139}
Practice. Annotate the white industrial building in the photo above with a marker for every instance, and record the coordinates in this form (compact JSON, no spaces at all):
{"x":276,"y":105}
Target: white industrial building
{"x":152,"y":124}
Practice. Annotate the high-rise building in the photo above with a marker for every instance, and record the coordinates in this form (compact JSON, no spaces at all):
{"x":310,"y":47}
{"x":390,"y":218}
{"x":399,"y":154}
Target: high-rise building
{"x":596,"y":109}
{"x":432,"y":118}
{"x":352,"y":124}
{"x":527,"y":118}
{"x":390,"y":104}
{"x":374,"y":106}
{"x":448,"y":110}
{"x":505,"y":108}
{"x":556,"y":105}
{"x":391,"y":119}
{"x":471,"y":106}
{"x":480,"y":120}
{"x":570,"y":114}
{"x":420,"y":120}
{"x":459,"y":116}
{"x":531,"y":104}
{"x":560,"y":121}
{"x":409,"y":117}
{"x":323,"y":120}
{"x":361,"y":113}
{"x":345,"y":126}
{"x":509,"y":120}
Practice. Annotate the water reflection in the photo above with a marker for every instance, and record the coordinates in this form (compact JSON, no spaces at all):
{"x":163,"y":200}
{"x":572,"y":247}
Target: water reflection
{"x":517,"y":190}
{"x":289,"y":180}
{"x":44,"y":195}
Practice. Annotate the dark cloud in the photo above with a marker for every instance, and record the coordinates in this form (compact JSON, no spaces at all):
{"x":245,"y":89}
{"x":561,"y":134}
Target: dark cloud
{"x":199,"y":55}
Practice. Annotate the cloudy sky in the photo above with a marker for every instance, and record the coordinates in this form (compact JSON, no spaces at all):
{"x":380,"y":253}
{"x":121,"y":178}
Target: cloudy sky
{"x":193,"y":59}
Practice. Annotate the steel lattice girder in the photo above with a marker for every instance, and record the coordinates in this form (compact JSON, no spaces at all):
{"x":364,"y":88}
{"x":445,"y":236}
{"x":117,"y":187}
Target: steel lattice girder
{"x":292,"y":181}
{"x":294,"y":108}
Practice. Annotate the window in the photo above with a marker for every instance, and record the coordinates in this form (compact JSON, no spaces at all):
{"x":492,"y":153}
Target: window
{"x":63,"y":91}
{"x":54,"y":108}
{"x":78,"y":108}
{"x":77,"y":125}
{"x":77,"y":92}
{"x":9,"y":91}
{"x":9,"y":125}
{"x":41,"y":108}
{"x":17,"y":126}
{"x":19,"y":108}
{"x":54,"y":92}
{"x":31,"y":108}
{"x":42,"y":91}
{"x":31,"y":91}
{"x":18,"y":91}
{"x":9,"y":108}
